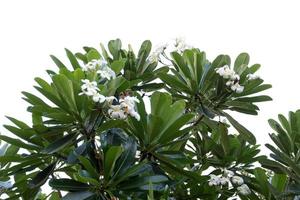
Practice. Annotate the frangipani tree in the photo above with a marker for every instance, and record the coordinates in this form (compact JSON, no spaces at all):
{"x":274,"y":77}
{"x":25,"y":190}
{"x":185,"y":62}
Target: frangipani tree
{"x":113,"y":124}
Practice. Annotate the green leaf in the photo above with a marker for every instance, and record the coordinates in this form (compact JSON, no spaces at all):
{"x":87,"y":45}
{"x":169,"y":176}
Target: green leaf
{"x":55,"y":196}
{"x":142,"y":55}
{"x":279,"y":182}
{"x":89,"y":167}
{"x":142,"y":181}
{"x":174,"y":82}
{"x":114,"y":47}
{"x":93,"y":54}
{"x":110,"y":158}
{"x":59,"y":144}
{"x":224,"y":139}
{"x":19,"y":143}
{"x":66,"y":91}
{"x":181,"y":65}
{"x":42,"y":176}
{"x":262,"y":180}
{"x":18,"y":123}
{"x":241,"y":63}
{"x":68,"y":185}
{"x":72,"y":59}
{"x":117,"y":65}
{"x":245,"y":133}
{"x":256,"y":99}
{"x":58,"y":63}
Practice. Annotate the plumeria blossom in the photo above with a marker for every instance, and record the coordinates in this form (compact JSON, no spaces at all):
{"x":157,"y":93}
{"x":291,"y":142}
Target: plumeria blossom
{"x":233,"y":78}
{"x":180,"y":44}
{"x":214,"y":180}
{"x":102,"y":68}
{"x":130,"y":100}
{"x":252,"y":77}
{"x":99,"y":98}
{"x":89,"y":88}
{"x":228,"y":173}
{"x":244,"y":189}
{"x":125,"y":108}
{"x":237,"y":88}
{"x":155,"y":56}
{"x":110,"y":99}
{"x":225,"y":72}
{"x":224,"y":180}
{"x":94,"y":64}
{"x":229,"y":178}
{"x":5,"y":185}
{"x":237,"y":180}
{"x":106,"y":72}
{"x":128,"y":104}
{"x":116,"y":112}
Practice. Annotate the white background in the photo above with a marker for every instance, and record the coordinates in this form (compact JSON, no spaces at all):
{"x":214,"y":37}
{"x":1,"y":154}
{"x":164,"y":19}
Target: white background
{"x":267,"y":30}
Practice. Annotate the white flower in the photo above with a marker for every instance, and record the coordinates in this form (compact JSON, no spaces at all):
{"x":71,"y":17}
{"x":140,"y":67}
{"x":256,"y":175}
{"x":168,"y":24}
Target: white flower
{"x":225,"y":72}
{"x":106,"y":72}
{"x":161,"y":49}
{"x":89,"y":88}
{"x":235,"y":77}
{"x":128,"y":105}
{"x":110,"y":99}
{"x":214,"y":180}
{"x":228,"y":173}
{"x":237,"y":88}
{"x":252,"y":77}
{"x":116,"y":112}
{"x":155,"y":56}
{"x":135,"y":114}
{"x":237,"y":180}
{"x":94,"y":64}
{"x":130,"y":100}
{"x":229,"y":83}
{"x":244,"y":189}
{"x":181,"y":45}
{"x":224,"y":180}
{"x":5,"y":185}
{"x":98,"y":98}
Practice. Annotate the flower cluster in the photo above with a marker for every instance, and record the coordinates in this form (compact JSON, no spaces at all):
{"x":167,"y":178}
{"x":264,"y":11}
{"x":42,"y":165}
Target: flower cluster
{"x":178,"y":45}
{"x":155,"y":56}
{"x":233,"y":78}
{"x":229,"y":177}
{"x":125,"y":108}
{"x":102,"y":68}
{"x":90,"y":89}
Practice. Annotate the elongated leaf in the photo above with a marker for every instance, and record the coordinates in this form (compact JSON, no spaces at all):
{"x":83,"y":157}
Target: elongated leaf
{"x":58,"y":63}
{"x":72,"y":59}
{"x":68,"y":185}
{"x":59,"y":144}
{"x":255,"y":99}
{"x":241,"y":63}
{"x":89,"y":167}
{"x":42,"y":176}
{"x":245,"y":133}
{"x":19,"y":143}
{"x":65,"y":89}
{"x":111,"y":156}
